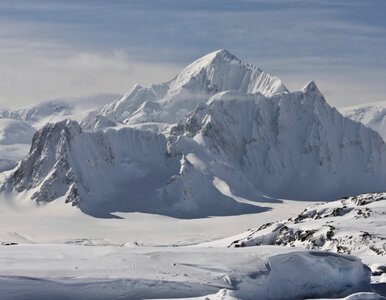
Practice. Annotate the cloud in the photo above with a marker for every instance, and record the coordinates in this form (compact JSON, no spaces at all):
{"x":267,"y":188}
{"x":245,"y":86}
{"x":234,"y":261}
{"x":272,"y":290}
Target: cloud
{"x":65,"y":47}
{"x":30,"y":74}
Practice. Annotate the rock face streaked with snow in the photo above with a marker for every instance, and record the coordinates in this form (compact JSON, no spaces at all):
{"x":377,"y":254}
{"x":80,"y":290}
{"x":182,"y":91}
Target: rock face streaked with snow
{"x":353,"y":226}
{"x":245,"y":137}
{"x":373,"y":115}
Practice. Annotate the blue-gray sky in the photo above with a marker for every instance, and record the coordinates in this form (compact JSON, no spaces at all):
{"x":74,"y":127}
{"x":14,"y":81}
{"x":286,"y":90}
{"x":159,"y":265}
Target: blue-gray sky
{"x":52,"y":48}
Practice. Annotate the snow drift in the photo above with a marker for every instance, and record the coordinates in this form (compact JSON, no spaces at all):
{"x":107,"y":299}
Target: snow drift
{"x":146,"y":273}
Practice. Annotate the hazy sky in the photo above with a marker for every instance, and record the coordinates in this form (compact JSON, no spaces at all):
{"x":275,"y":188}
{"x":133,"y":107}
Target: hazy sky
{"x":53,"y":48}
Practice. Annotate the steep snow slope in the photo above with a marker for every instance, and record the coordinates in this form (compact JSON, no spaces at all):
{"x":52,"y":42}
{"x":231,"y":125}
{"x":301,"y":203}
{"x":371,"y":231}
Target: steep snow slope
{"x":116,"y":170}
{"x":372,"y":115}
{"x":170,"y":101}
{"x":291,"y":145}
{"x":354,"y":225}
{"x":238,"y":148}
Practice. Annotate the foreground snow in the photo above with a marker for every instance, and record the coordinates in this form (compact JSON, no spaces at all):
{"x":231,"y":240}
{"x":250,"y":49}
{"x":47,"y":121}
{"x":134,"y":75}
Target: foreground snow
{"x":353,"y":225}
{"x":61,"y":253}
{"x":224,"y":295}
{"x":21,"y":221}
{"x":105,"y":272}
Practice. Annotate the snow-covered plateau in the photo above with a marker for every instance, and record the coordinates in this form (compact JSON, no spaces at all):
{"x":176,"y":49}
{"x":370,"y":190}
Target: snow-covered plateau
{"x":149,"y":196}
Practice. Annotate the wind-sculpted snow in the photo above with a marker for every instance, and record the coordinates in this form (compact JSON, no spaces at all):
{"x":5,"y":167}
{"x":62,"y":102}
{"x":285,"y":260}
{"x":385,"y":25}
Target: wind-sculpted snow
{"x":352,"y":225}
{"x":164,"y":273}
{"x":233,"y":149}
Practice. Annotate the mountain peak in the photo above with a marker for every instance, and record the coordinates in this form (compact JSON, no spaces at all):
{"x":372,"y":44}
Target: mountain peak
{"x":213,"y":73}
{"x":220,"y":71}
{"x":216,"y":58}
{"x":221,"y":54}
{"x":311,"y":87}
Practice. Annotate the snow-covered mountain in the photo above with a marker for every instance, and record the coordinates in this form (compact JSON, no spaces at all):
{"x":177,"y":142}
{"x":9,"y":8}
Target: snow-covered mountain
{"x":290,"y":145}
{"x":169,"y":102}
{"x":38,"y":112}
{"x":231,"y":136}
{"x":18,"y":126}
{"x":58,"y":109}
{"x":353,"y":225}
{"x":373,"y":115}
